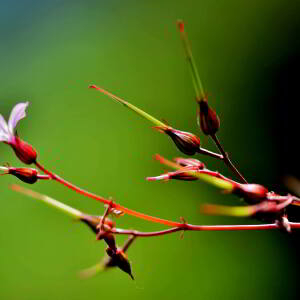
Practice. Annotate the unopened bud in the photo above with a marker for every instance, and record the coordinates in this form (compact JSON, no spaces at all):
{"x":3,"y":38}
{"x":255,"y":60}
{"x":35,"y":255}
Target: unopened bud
{"x":186,"y":142}
{"x":208,"y":119}
{"x":251,"y":192}
{"x":25,"y":152}
{"x":27,"y":175}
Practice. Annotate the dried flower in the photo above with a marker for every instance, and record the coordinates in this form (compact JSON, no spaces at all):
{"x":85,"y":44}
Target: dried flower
{"x":25,"y":152}
{"x":119,"y":259}
{"x":186,"y":142}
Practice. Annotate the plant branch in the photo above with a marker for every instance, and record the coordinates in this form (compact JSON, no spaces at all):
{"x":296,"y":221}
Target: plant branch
{"x":106,"y":201}
{"x":210,"y":153}
{"x":227,"y":160}
{"x":189,"y":227}
{"x":191,"y":62}
{"x":179,"y":227}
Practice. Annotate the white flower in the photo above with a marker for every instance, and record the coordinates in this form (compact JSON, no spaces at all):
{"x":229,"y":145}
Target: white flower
{"x":7,"y":133}
{"x":25,"y":152}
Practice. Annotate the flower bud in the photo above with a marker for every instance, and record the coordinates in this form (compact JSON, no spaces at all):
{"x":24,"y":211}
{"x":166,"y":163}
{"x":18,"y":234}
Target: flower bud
{"x":119,"y":259}
{"x":251,"y":192}
{"x":27,"y":175}
{"x":25,"y":152}
{"x":186,"y":142}
{"x":208,"y":119}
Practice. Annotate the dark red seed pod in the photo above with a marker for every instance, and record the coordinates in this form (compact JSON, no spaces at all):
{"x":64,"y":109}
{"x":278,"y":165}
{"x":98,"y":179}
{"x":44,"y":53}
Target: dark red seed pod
{"x":27,"y":175}
{"x":186,"y":142}
{"x":119,"y":259}
{"x":208,"y":120}
{"x":251,"y":192}
{"x":25,"y":152}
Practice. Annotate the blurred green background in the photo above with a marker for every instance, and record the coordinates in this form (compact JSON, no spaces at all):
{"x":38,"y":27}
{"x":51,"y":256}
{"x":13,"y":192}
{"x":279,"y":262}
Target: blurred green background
{"x":50,"y":51}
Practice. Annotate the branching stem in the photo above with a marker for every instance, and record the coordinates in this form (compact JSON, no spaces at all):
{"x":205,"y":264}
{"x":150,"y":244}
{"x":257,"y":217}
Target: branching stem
{"x":227,"y":160}
{"x":189,"y":227}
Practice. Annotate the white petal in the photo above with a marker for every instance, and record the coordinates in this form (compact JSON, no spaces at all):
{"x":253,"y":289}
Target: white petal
{"x":4,"y":138}
{"x":4,"y":134}
{"x":16,"y":115}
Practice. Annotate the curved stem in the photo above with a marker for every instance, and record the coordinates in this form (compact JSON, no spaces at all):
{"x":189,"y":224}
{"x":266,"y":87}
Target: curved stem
{"x":189,"y":227}
{"x":106,"y":201}
{"x":227,"y":160}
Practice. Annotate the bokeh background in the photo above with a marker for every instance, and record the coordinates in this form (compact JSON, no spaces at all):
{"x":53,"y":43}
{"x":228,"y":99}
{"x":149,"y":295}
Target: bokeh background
{"x":248,"y":57}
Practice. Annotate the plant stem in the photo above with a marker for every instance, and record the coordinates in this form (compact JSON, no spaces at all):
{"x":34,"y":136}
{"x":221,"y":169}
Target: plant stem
{"x":106,"y":201}
{"x":227,"y":160}
{"x":130,"y":106}
{"x":70,"y":211}
{"x":210,"y":153}
{"x":189,"y":227}
{"x":134,"y":233}
{"x":191,"y":62}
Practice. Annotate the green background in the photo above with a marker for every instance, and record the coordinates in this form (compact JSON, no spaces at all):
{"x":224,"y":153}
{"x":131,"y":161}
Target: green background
{"x":50,"y":51}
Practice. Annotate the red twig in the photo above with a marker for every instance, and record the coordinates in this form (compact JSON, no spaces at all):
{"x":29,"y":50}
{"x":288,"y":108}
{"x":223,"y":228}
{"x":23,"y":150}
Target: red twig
{"x":227,"y":160}
{"x":106,"y":201}
{"x":189,"y":227}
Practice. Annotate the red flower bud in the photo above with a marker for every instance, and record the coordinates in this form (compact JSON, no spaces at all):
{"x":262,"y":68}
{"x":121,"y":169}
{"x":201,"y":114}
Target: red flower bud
{"x":251,"y":192}
{"x":27,"y":175}
{"x":208,"y":119}
{"x":25,"y":152}
{"x":186,"y":142}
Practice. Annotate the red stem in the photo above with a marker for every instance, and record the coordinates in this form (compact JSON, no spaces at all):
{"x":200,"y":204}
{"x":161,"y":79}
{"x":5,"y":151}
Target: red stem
{"x":189,"y":227}
{"x":227,"y":160}
{"x":106,"y":201}
{"x":210,"y":153}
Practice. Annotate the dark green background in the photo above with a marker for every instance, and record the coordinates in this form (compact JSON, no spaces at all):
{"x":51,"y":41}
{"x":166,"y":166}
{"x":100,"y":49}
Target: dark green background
{"x":50,"y":51}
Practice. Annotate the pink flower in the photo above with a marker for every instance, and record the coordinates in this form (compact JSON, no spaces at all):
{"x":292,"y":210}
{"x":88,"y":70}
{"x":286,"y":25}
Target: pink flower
{"x":25,"y":152}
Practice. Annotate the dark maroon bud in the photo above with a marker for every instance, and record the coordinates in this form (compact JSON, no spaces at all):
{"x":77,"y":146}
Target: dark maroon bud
{"x":27,"y":175}
{"x":186,"y":142}
{"x":251,"y":192}
{"x":208,"y":120}
{"x":119,"y":259}
{"x":25,"y":152}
